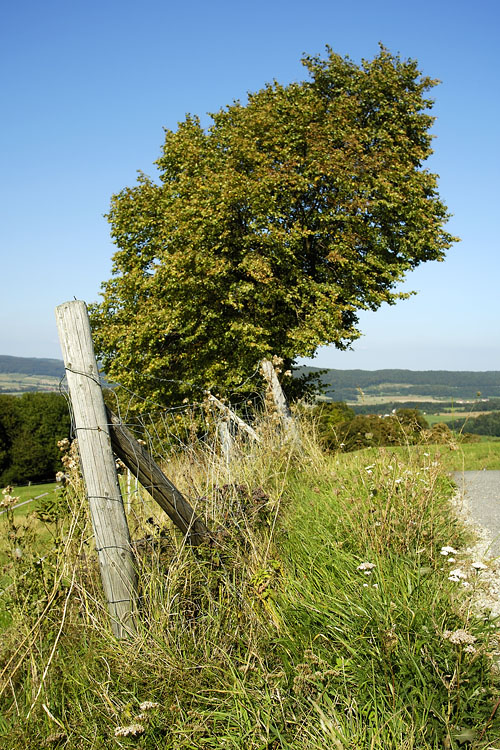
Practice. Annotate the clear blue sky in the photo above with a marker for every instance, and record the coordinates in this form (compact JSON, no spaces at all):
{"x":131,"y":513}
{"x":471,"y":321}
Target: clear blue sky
{"x":87,"y":88}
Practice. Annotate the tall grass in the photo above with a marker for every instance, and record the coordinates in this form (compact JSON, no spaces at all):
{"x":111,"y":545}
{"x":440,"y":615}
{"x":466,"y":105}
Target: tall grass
{"x":321,"y":618}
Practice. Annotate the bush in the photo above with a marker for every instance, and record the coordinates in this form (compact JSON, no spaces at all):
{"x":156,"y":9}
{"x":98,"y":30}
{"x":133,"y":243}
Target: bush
{"x":362,"y":431}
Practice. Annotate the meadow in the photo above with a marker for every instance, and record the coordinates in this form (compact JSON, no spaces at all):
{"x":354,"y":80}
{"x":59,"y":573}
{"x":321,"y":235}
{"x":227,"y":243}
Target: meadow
{"x":325,"y":615}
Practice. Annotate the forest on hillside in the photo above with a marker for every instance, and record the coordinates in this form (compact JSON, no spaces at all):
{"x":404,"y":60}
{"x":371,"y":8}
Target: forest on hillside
{"x":31,"y":366}
{"x":351,"y":385}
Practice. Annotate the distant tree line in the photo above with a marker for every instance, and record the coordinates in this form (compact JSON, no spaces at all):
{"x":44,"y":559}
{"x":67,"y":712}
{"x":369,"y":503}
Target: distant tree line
{"x":345,"y":385}
{"x":365,"y":378}
{"x":428,"y":407}
{"x":30,"y":426}
{"x":484,"y":424}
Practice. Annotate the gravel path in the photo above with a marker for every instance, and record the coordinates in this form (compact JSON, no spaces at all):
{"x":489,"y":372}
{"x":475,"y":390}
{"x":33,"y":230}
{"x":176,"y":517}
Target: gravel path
{"x":480,"y":493}
{"x":478,"y":501}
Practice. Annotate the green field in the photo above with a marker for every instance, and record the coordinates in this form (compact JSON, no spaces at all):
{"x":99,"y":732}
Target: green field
{"x":15,"y":383}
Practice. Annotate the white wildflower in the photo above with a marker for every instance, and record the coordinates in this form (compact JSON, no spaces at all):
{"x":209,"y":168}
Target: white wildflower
{"x":366,"y":566}
{"x":456,"y":575}
{"x":8,"y":501}
{"x":448,"y":551}
{"x":470,"y":649}
{"x":133,"y":729}
{"x":479,"y":566}
{"x":148,"y":705}
{"x":459,"y":636}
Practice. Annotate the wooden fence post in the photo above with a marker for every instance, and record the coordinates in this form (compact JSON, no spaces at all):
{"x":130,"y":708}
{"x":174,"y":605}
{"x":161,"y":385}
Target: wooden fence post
{"x":109,"y":522}
{"x":269,"y":373}
{"x":226,"y":440}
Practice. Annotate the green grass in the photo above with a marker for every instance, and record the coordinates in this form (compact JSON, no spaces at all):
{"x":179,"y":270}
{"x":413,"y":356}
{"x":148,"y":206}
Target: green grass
{"x":436,"y":418}
{"x":470,"y":456}
{"x":28,"y":533}
{"x":273,"y":638}
{"x":32,"y":492}
{"x":455,"y":457}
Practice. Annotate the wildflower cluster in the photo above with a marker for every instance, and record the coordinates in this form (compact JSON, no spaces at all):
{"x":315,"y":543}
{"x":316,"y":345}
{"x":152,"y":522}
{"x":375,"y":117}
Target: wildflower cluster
{"x":457,"y":575}
{"x":8,"y":500}
{"x":461,"y":638}
{"x":133,"y":730}
{"x":366,"y":568}
{"x":70,"y":460}
{"x":137,"y":728}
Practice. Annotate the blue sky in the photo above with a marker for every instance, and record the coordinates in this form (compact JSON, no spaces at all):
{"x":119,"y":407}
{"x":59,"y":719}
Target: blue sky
{"x":87,"y":88}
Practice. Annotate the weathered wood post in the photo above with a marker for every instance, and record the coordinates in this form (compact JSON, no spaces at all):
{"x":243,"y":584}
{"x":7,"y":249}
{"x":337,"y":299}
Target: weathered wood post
{"x":111,"y":532}
{"x":162,"y":490}
{"x":229,"y":414}
{"x":226,"y":440}
{"x":269,"y":374}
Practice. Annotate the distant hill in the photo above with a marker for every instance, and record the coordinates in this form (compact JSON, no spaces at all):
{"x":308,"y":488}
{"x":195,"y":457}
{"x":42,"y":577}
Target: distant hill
{"x":31,"y":366}
{"x":20,"y":374}
{"x":356,"y":385}
{"x":29,"y":374}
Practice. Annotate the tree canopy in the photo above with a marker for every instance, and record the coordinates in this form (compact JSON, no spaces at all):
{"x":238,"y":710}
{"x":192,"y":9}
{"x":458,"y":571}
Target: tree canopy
{"x":30,"y":426}
{"x":269,"y":230}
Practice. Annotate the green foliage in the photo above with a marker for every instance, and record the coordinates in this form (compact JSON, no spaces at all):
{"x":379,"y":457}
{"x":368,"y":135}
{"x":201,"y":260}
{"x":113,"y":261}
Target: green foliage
{"x":271,"y":229}
{"x":484,"y":424}
{"x":350,"y":431}
{"x":30,"y":426}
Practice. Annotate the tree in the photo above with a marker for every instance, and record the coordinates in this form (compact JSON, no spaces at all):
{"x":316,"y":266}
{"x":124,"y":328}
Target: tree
{"x":272,"y":228}
{"x":30,"y":426}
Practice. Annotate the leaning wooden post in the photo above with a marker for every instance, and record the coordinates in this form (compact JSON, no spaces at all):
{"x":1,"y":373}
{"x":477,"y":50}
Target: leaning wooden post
{"x":233,"y":417}
{"x":141,"y":463}
{"x":111,"y":532}
{"x":226,"y":440}
{"x":269,"y":374}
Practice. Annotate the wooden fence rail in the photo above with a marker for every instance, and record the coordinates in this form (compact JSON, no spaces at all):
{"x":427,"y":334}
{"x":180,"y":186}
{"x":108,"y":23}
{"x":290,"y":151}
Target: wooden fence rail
{"x":162,"y":490}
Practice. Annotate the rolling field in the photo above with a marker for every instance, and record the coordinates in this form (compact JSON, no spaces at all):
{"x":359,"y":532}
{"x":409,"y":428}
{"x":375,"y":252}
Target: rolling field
{"x":14,"y":383}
